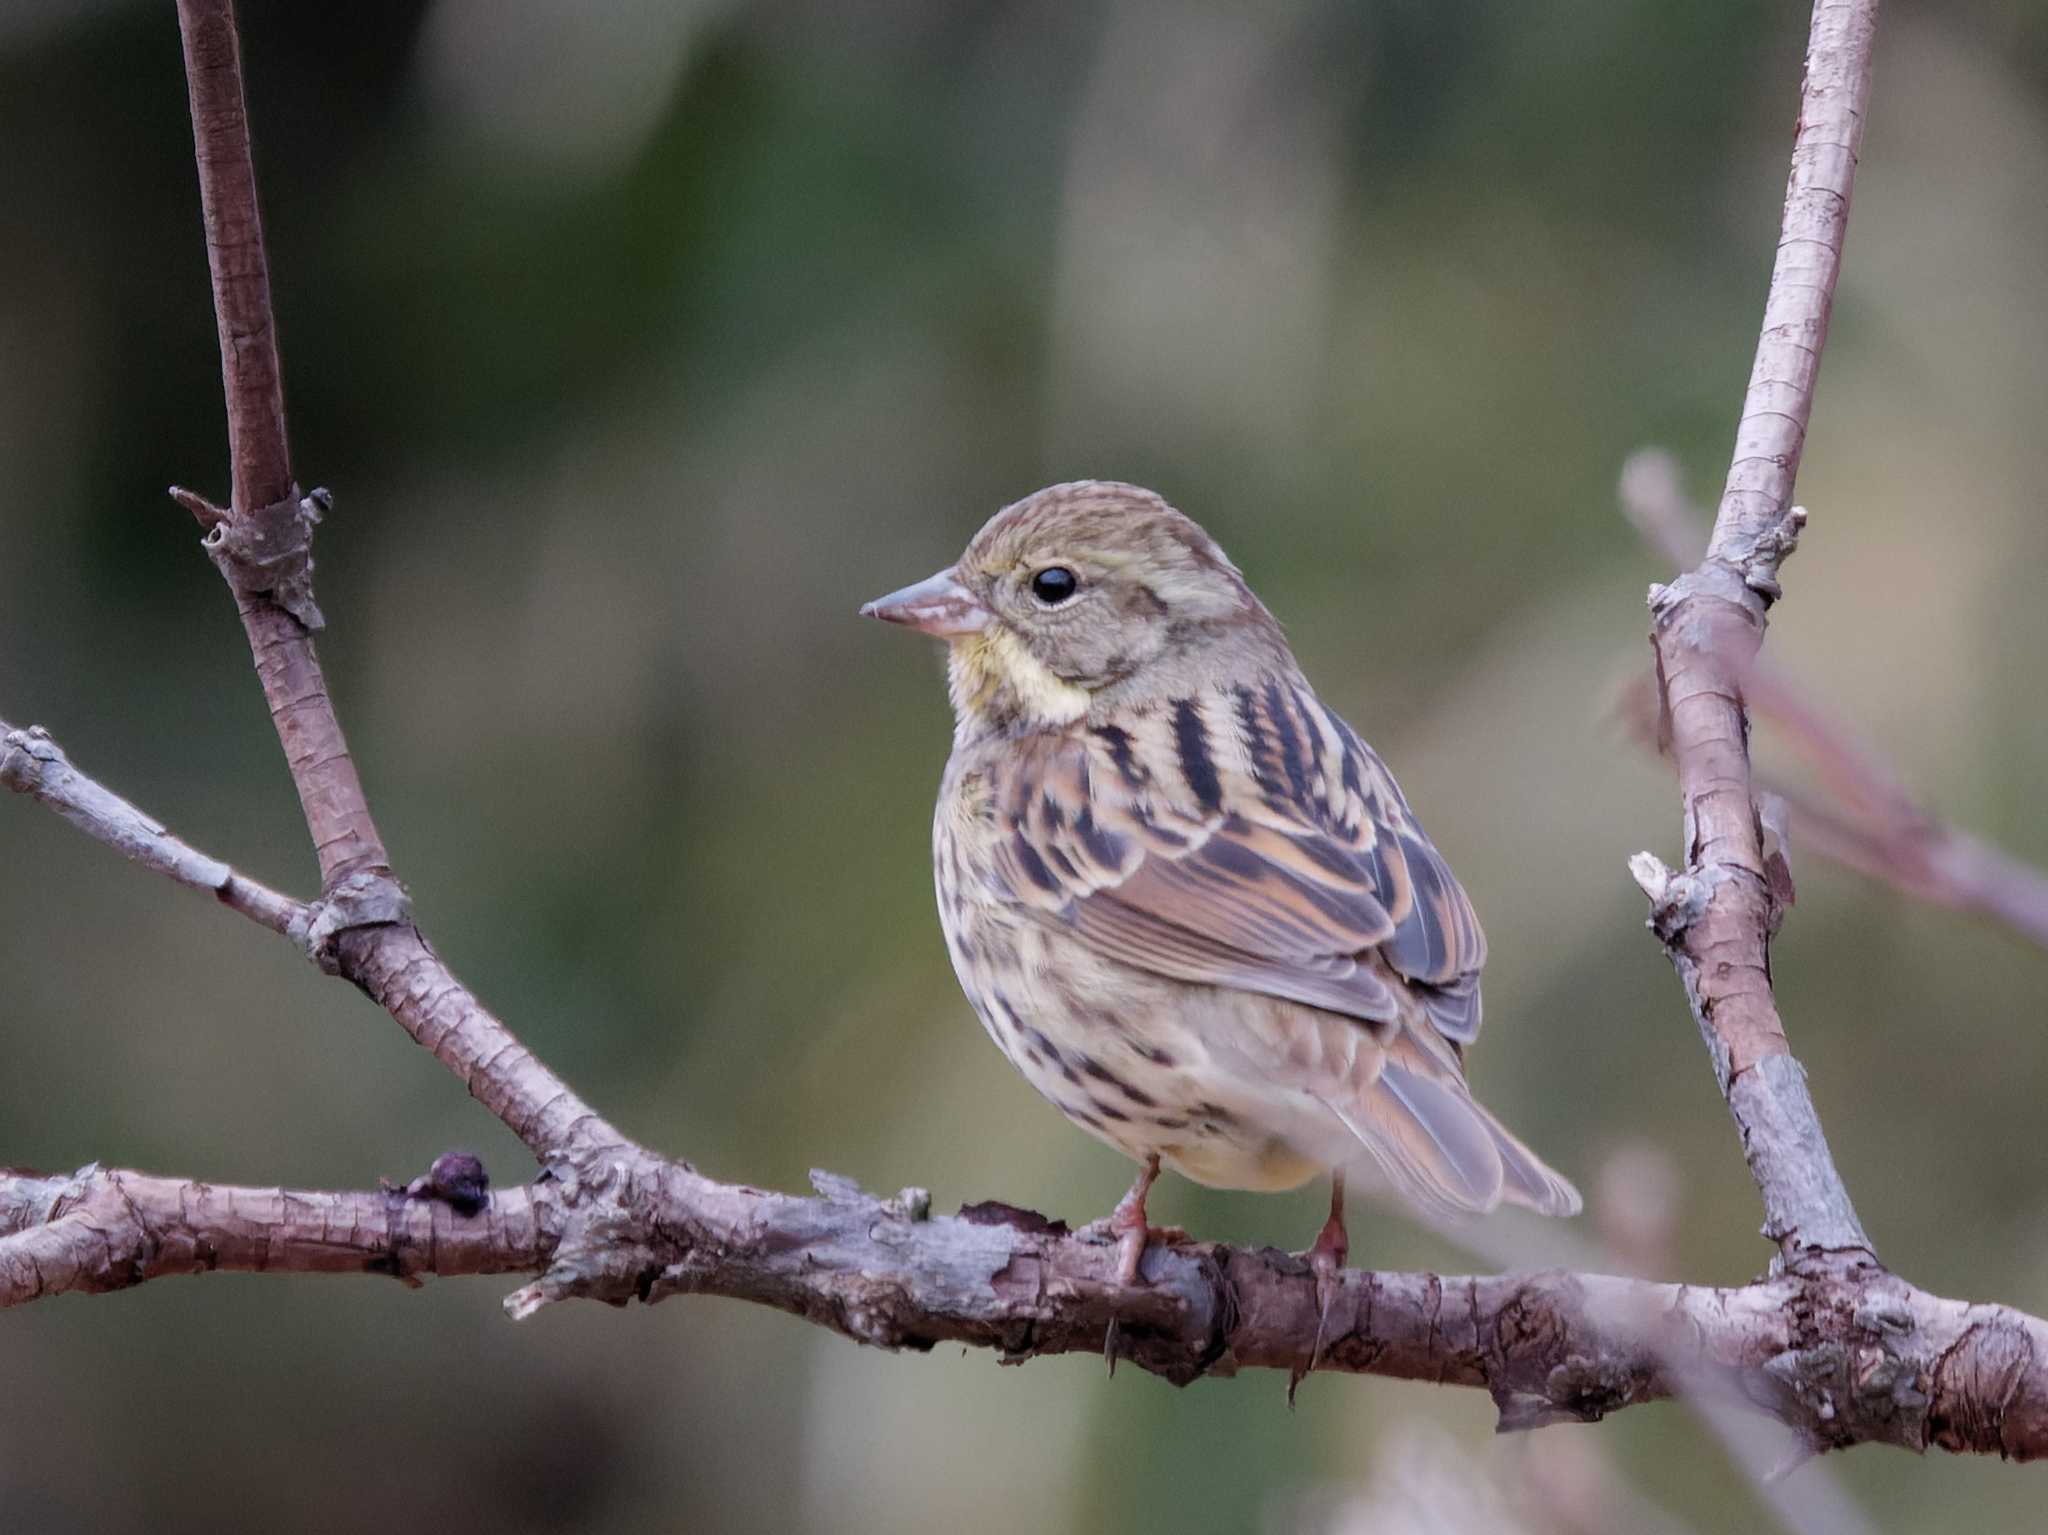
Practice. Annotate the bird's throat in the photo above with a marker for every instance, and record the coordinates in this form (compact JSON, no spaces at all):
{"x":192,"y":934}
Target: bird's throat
{"x":997,"y":684}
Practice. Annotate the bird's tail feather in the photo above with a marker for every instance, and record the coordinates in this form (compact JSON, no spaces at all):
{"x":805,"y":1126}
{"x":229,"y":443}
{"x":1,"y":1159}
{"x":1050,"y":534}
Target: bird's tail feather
{"x":1444,"y":1152}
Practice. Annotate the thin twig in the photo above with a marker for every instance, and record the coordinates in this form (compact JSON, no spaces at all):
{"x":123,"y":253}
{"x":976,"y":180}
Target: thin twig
{"x":33,"y":764}
{"x":1716,"y":915}
{"x":361,"y":926}
{"x":337,"y":815}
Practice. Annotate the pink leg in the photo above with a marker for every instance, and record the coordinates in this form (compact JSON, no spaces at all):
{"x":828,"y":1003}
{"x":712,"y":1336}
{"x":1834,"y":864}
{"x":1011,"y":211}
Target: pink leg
{"x":1332,"y":1246}
{"x":1326,"y":1260}
{"x":1127,"y":1222}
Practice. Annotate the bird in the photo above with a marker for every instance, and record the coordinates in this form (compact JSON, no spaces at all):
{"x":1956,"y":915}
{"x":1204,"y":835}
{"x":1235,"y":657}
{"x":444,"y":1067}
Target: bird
{"x":1183,"y":896}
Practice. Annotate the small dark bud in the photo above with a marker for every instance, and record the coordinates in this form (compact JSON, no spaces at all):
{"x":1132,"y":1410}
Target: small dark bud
{"x":458,"y":1180}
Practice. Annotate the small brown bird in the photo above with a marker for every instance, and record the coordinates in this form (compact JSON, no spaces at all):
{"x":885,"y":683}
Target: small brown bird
{"x":1186,"y":900}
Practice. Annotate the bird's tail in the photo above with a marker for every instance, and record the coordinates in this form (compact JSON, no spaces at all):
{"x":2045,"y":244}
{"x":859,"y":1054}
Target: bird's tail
{"x":1442,"y":1150}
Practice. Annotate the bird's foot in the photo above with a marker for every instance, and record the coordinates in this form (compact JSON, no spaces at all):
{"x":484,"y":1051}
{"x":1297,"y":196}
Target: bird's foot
{"x":1325,"y":1259}
{"x":1132,"y":1240}
{"x":1127,"y":1227}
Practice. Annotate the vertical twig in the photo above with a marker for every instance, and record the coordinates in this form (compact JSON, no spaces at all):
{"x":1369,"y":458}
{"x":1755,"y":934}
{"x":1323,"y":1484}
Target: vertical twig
{"x":337,"y":814}
{"x":1717,"y":915}
{"x":361,"y":927}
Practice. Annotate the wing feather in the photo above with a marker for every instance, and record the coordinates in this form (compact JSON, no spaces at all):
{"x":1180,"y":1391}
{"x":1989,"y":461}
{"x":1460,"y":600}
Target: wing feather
{"x":1245,"y":838}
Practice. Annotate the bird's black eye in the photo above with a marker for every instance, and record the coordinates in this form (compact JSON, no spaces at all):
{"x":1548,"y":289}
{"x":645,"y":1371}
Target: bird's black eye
{"x":1054,"y":585}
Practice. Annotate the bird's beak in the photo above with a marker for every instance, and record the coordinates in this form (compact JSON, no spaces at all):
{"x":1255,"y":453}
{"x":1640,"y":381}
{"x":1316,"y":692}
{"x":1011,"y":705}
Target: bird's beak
{"x":936,"y":605}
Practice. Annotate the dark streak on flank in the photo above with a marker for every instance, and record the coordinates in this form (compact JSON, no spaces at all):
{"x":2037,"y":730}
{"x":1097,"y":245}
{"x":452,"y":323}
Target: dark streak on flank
{"x":1143,"y":1100}
{"x":1006,"y":1014}
{"x":1102,"y":1073}
{"x":1038,"y":1039}
{"x":1191,"y":740}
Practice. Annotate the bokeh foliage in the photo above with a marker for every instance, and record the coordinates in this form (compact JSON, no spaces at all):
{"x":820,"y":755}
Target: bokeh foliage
{"x":641,"y":345}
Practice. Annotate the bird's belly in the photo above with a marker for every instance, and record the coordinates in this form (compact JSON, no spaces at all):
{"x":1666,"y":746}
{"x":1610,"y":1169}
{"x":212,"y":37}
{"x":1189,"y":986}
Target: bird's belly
{"x":1122,"y":1054}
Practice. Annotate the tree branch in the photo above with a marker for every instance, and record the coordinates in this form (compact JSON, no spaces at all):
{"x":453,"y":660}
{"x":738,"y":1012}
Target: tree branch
{"x":33,"y":764}
{"x":1841,"y":1349}
{"x":99,"y":1230}
{"x":361,"y":927}
{"x":1878,"y":1360}
{"x":1869,"y":821}
{"x":337,"y":815}
{"x":1716,"y":916}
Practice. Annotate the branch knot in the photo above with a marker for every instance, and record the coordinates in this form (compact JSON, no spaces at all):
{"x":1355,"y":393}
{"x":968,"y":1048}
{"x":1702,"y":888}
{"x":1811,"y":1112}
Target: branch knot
{"x":268,"y":552}
{"x":1678,"y":897}
{"x":367,"y":898}
{"x":1758,"y":564}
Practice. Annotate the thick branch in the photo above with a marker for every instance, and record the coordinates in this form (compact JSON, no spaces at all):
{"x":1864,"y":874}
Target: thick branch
{"x":1717,"y":915}
{"x":100,"y":1230}
{"x":1854,"y":1356}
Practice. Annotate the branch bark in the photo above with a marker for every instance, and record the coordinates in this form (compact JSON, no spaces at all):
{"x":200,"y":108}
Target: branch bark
{"x":361,"y":926}
{"x":1841,"y":1349}
{"x":33,"y":764}
{"x":1717,"y":914}
{"x":1862,"y":1358}
{"x":344,"y":836}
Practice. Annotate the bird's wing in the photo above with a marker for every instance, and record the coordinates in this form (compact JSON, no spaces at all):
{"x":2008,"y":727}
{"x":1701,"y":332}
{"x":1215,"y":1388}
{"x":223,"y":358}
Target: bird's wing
{"x":1243,"y":837}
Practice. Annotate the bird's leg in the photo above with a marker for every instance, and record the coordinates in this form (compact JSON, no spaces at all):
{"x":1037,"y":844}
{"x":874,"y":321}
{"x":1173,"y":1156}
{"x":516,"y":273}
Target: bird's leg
{"x":1325,"y":1259}
{"x":1332,"y":1245}
{"x":1127,"y":1222}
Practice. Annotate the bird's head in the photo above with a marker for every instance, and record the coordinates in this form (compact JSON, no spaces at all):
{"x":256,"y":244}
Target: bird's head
{"x":1082,"y":595}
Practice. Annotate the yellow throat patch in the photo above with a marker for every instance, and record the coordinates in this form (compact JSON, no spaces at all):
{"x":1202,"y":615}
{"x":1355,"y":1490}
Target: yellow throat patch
{"x":982,"y":668}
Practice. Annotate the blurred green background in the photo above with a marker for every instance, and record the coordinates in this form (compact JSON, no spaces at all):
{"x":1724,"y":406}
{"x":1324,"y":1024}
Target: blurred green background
{"x":639,"y":347}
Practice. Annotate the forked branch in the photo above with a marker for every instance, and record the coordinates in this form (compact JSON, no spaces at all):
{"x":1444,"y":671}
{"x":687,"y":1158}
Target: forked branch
{"x":1863,"y":815}
{"x":1841,"y":1349}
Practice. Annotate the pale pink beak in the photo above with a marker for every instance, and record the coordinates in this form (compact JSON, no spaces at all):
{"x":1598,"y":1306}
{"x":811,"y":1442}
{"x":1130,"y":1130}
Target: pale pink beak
{"x":936,"y":605}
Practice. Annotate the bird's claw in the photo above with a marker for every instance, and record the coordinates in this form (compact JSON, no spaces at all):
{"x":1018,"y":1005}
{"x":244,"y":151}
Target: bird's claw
{"x":1326,"y":1261}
